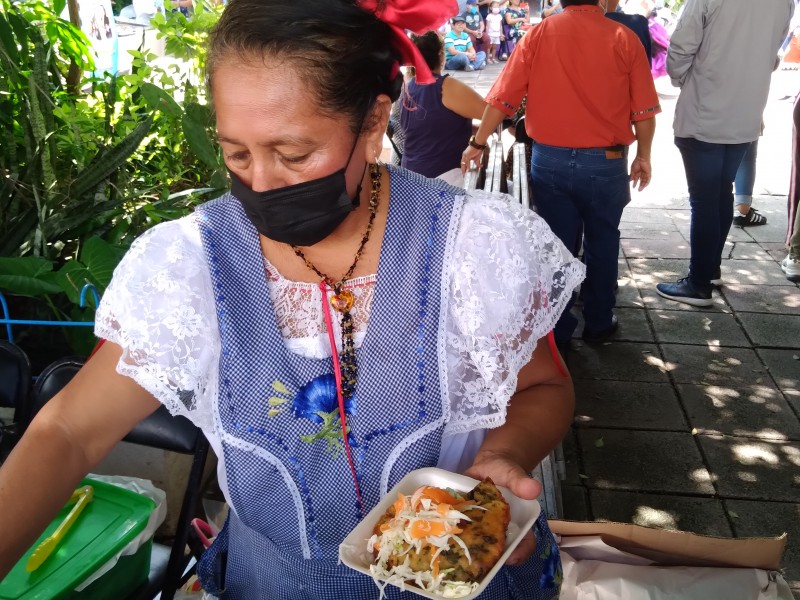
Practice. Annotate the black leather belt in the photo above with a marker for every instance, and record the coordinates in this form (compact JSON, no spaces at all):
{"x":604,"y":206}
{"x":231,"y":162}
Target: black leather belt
{"x":617,"y":148}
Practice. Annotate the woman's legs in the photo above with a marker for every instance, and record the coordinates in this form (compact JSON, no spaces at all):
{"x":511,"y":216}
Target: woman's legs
{"x":746,"y":179}
{"x":710,"y":170}
{"x":746,"y":215}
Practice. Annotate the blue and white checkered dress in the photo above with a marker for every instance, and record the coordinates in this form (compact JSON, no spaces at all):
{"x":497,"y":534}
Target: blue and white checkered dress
{"x":289,"y":480}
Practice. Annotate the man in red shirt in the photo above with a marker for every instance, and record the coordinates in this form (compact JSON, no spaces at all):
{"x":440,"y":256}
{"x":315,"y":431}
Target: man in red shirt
{"x":590,"y":95}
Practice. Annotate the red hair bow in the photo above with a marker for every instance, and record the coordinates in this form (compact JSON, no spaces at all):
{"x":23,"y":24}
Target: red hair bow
{"x":417,"y":15}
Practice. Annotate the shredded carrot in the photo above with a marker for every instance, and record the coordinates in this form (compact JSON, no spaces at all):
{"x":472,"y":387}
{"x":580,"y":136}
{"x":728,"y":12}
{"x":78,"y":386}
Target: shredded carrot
{"x":423,"y":528}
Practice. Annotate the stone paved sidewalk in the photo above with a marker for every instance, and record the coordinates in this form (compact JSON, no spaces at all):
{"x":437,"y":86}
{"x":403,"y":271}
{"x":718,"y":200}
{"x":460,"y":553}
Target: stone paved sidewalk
{"x":690,"y":418}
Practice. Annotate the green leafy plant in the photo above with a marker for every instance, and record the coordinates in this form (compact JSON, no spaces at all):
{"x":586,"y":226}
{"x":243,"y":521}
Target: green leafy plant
{"x":82,"y":174}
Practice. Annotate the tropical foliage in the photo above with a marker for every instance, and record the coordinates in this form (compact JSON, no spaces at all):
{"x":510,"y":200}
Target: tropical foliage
{"x":87,"y":163}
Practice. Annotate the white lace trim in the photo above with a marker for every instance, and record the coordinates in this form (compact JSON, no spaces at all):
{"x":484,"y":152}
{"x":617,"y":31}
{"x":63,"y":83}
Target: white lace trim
{"x":508,"y":278}
{"x":298,"y":312}
{"x":160,"y":309}
{"x":511,"y":279}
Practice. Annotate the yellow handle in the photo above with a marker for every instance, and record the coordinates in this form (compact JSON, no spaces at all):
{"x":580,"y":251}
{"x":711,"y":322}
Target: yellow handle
{"x":45,"y":549}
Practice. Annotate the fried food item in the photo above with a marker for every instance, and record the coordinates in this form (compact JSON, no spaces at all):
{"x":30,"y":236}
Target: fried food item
{"x":443,"y":541}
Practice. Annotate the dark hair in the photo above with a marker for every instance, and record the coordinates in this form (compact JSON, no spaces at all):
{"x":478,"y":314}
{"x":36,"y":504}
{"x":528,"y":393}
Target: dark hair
{"x":430,"y":46}
{"x":343,"y":51}
{"x":566,"y":3}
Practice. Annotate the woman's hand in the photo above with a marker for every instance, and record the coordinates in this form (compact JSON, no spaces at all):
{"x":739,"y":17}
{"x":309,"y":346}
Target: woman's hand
{"x":470,"y":155}
{"x":504,"y":471}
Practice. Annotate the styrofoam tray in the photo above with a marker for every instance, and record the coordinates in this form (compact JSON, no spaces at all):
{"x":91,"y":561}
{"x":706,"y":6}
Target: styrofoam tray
{"x":353,"y":550}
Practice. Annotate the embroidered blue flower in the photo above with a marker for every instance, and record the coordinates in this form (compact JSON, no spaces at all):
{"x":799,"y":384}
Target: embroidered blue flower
{"x":319,"y":397}
{"x":318,"y":402}
{"x":551,"y":569}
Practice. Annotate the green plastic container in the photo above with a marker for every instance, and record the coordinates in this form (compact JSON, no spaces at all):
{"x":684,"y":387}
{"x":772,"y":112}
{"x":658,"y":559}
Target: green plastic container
{"x":108,"y":523}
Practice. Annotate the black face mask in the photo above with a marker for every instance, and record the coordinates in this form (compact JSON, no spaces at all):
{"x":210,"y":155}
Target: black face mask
{"x":301,"y":214}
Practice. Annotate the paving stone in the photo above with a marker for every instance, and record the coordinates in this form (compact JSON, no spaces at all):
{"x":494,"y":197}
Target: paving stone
{"x":749,"y":251}
{"x":793,"y":398}
{"x":621,"y":361}
{"x":645,"y":461}
{"x":705,"y":516}
{"x":773,"y":231}
{"x":734,"y":235}
{"x":757,"y":411}
{"x":783,"y":366}
{"x":627,"y":404}
{"x":753,"y":469}
{"x":569,"y":445}
{"x":645,"y":231}
{"x":651,"y":271}
{"x":768,"y":519}
{"x":655,"y":216}
{"x":633,"y":325}
{"x":576,"y":503}
{"x":752,"y":272}
{"x":709,"y":328}
{"x":779,"y":331}
{"x":660,"y":200}
{"x":714,"y":366}
{"x":727,"y":249}
{"x":655,"y":248}
{"x":623,"y":270}
{"x":777,"y":250}
{"x":628,"y":293}
{"x":776,"y":299}
{"x":681,"y":218}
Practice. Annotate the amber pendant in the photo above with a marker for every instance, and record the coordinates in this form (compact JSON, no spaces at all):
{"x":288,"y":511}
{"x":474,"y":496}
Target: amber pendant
{"x":343,"y":301}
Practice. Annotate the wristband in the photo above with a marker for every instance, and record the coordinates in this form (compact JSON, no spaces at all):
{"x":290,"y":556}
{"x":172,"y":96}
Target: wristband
{"x":475,"y":144}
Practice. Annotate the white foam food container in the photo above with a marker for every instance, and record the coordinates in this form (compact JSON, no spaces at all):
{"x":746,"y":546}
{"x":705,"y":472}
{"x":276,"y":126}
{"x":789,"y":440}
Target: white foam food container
{"x":353,"y":550}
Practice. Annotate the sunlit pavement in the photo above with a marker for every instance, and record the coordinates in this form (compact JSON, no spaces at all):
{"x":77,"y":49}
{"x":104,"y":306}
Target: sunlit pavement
{"x":689,"y":418}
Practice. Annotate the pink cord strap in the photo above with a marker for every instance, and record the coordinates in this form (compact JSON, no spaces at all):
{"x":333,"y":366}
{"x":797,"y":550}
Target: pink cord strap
{"x":551,"y":340}
{"x":337,"y":373}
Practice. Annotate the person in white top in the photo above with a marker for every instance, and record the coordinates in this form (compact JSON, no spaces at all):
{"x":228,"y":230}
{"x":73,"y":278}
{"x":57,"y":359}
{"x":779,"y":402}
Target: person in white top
{"x":494,"y":29}
{"x":721,"y":55}
{"x":331,"y":324}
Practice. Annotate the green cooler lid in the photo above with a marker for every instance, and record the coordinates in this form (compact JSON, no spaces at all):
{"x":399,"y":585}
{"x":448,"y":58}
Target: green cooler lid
{"x":108,"y":523}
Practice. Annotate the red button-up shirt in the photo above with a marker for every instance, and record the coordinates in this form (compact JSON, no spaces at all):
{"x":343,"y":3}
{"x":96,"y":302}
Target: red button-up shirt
{"x":586,"y":78}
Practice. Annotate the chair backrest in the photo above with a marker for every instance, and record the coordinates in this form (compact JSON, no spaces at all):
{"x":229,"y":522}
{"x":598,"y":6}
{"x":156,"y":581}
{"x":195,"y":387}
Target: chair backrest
{"x":15,"y":378}
{"x":496,"y":168}
{"x":51,"y":380}
{"x":520,"y":174}
{"x":159,"y":430}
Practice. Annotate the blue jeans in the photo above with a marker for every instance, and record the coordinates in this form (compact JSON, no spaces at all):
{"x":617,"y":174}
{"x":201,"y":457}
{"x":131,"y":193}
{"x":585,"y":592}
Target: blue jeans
{"x":581,"y":193}
{"x":745,"y":179}
{"x":710,"y":170}
{"x":459,"y":62}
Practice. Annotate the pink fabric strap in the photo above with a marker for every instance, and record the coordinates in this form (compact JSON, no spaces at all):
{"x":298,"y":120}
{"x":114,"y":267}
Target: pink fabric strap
{"x":337,"y":373}
{"x":551,"y":340}
{"x":418,"y":16}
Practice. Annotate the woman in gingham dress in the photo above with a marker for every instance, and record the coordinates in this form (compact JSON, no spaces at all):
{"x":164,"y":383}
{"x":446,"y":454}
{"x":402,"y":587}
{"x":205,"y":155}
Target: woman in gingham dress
{"x":331,"y":324}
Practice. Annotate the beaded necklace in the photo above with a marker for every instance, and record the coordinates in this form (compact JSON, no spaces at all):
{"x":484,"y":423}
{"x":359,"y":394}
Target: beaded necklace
{"x":343,"y":299}
{"x":344,"y":364}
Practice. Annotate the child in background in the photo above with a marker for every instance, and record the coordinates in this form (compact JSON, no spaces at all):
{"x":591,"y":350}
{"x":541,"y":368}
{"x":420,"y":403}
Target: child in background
{"x":494,"y":28}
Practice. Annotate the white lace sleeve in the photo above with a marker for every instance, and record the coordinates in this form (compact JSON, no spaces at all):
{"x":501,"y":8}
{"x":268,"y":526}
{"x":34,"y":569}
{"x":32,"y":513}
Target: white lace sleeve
{"x":510,"y":280}
{"x":160,"y":309}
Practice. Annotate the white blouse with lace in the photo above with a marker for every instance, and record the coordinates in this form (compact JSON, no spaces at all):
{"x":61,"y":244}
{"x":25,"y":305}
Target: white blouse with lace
{"x":509,"y":279}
